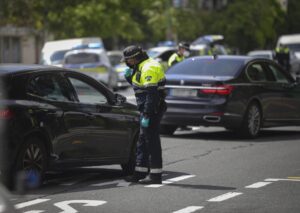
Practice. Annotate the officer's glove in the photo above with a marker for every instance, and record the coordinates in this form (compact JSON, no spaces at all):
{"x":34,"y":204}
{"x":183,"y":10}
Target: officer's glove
{"x":145,"y":122}
{"x":127,"y":72}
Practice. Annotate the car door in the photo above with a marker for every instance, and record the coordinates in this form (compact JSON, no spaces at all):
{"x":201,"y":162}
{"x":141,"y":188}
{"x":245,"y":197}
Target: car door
{"x":289,"y":103}
{"x":108,"y":135}
{"x":59,"y":114}
{"x":268,"y":90}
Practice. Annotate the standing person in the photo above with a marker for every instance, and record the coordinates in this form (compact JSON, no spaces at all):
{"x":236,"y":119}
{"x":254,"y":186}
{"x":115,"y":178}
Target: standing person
{"x":147,"y":79}
{"x":282,"y":56}
{"x":183,"y":51}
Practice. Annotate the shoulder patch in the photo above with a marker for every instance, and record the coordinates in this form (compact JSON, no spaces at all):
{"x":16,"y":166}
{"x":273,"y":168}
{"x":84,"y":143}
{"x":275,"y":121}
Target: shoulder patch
{"x":148,"y":78}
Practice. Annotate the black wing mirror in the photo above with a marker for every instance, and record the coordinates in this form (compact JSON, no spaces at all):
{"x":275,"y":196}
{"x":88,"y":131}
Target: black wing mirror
{"x":119,"y":99}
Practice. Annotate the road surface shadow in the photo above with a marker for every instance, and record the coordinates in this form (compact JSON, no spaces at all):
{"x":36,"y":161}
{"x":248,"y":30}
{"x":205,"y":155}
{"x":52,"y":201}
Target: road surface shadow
{"x":100,"y":179}
{"x":266,"y":135}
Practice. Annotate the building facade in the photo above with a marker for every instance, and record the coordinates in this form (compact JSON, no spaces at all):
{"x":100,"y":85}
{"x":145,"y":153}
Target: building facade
{"x":19,"y":45}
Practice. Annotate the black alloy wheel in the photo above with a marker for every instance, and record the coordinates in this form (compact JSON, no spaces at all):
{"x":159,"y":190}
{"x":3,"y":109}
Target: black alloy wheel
{"x":252,"y":121}
{"x":32,"y":162}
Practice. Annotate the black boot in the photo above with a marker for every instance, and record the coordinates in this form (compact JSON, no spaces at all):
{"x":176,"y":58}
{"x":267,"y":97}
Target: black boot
{"x":151,"y":179}
{"x":135,"y":177}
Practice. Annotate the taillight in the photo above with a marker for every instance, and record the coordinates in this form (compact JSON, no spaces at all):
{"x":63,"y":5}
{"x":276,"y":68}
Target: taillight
{"x":219,"y":90}
{"x":6,"y":113}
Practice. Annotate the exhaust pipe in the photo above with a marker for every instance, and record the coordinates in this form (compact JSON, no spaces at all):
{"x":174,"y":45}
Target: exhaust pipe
{"x":212,"y":118}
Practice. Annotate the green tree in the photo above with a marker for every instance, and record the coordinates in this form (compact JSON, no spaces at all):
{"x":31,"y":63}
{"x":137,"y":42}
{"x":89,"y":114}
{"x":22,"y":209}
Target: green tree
{"x":248,"y":24}
{"x":293,"y":17}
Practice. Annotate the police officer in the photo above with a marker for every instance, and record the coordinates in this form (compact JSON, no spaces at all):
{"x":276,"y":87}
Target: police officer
{"x":147,"y":79}
{"x":210,"y":49}
{"x":282,"y":55}
{"x":182,"y":52}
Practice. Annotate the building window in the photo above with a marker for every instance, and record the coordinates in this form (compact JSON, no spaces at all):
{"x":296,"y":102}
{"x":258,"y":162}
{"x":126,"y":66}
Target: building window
{"x":10,"y":49}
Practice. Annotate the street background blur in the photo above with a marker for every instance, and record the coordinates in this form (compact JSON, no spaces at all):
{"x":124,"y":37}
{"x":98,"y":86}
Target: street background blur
{"x":25,"y":25}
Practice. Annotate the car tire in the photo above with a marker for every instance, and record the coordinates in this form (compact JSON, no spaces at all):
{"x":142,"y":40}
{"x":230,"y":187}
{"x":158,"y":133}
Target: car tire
{"x":128,"y":168}
{"x":167,"y":129}
{"x":31,"y":163}
{"x":252,"y":121}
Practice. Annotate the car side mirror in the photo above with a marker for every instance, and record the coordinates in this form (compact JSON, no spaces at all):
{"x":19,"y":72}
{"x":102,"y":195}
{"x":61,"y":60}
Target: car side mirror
{"x":119,"y":99}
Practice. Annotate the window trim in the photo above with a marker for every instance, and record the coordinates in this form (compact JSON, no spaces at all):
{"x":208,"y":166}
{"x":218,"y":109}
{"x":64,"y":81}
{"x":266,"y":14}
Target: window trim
{"x":57,"y":75}
{"x":96,"y":85}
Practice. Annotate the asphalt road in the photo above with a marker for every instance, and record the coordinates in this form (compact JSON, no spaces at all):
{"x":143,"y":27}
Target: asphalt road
{"x":205,"y":170}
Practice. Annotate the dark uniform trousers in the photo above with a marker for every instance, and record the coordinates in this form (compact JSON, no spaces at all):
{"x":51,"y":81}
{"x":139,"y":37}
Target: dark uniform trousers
{"x":149,"y":152}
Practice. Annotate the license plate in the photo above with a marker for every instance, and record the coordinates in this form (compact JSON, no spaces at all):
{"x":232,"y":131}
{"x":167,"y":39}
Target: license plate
{"x":183,"y":92}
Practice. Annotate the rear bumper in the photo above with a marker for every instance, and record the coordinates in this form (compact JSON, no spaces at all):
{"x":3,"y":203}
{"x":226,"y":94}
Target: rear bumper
{"x":199,"y":115}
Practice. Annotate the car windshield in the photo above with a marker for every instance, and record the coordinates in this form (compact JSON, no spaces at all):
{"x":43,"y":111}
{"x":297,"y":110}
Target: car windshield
{"x":58,"y":56}
{"x":294,"y":47}
{"x":207,"y":67}
{"x":82,"y":58}
{"x":152,"y":54}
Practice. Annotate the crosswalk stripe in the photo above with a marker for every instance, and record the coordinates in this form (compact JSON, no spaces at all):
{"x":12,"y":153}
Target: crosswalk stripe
{"x":170,"y":181}
{"x":189,"y":209}
{"x":225,"y":197}
{"x":258,"y":185}
{"x":30,"y":203}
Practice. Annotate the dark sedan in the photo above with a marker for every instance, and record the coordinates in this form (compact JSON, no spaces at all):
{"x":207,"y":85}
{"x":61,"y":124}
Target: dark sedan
{"x":58,"y":118}
{"x":239,"y":93}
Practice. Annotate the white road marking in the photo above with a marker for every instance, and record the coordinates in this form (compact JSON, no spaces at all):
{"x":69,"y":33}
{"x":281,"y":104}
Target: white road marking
{"x":258,"y":185}
{"x":35,"y":211}
{"x":189,"y":209}
{"x":65,"y":205}
{"x":120,"y":183}
{"x":225,"y":196}
{"x":124,"y":184}
{"x":281,"y":179}
{"x":170,"y":181}
{"x":30,"y":203}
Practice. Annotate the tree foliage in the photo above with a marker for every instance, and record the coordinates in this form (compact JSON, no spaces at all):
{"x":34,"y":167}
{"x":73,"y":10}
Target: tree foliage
{"x":246,"y":24}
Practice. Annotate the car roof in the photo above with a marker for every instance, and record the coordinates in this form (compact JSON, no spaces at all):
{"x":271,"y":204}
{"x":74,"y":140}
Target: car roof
{"x":66,"y":44}
{"x":226,"y":57}
{"x":161,"y":49}
{"x":18,"y":68}
{"x":95,"y":51}
{"x":289,"y":39}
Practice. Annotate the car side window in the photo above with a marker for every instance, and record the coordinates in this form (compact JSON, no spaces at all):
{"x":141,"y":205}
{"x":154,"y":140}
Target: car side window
{"x":86,"y":93}
{"x":279,"y":76}
{"x":47,"y":86}
{"x":256,"y":72}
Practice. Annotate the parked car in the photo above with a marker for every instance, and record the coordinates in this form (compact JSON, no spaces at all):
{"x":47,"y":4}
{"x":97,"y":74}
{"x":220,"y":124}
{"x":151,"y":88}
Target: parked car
{"x":162,"y":54}
{"x":53,"y":51}
{"x":269,"y":54}
{"x":203,"y":43}
{"x":292,"y":41}
{"x":58,"y":118}
{"x":93,"y":62}
{"x":240,"y":93}
{"x":115,"y":59}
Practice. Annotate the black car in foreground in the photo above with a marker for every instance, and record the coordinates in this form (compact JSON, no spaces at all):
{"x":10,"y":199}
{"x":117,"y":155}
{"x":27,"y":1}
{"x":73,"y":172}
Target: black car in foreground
{"x":240,"y":93}
{"x":58,"y":118}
